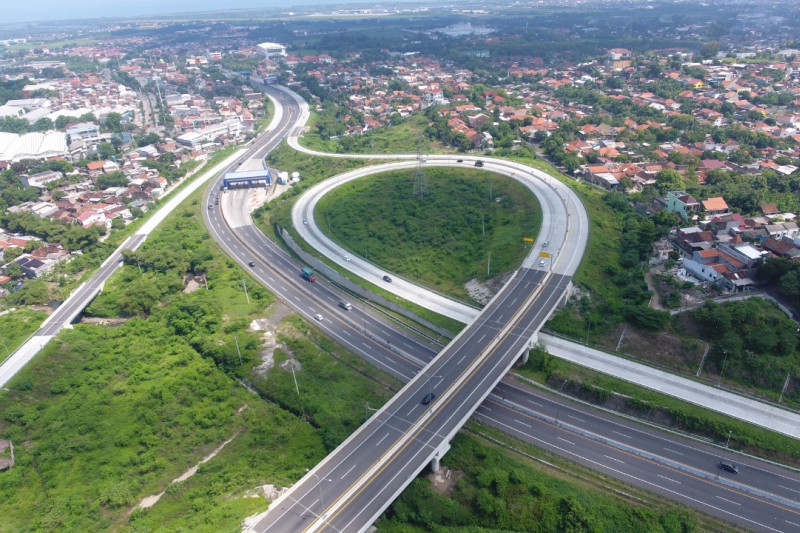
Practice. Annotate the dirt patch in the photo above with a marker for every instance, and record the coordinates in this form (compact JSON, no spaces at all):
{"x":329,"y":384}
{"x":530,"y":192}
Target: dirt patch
{"x":483,"y":291}
{"x":191,"y":286}
{"x":269,"y":337}
{"x":100,"y":321}
{"x":444,"y":481}
{"x":149,"y":501}
{"x":663,"y":349}
{"x":269,"y":492}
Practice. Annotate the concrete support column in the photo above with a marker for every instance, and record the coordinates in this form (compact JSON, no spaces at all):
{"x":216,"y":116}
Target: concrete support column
{"x":443,"y":449}
{"x":523,"y":358}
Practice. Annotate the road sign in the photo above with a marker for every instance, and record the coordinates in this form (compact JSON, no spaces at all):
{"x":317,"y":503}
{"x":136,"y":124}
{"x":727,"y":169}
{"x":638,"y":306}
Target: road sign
{"x":544,"y":254}
{"x":527,"y":239}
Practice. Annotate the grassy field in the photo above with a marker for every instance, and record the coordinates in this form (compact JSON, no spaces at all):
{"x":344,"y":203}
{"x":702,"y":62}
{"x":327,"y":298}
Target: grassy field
{"x":16,"y":326}
{"x":107,"y":415}
{"x":442,"y":240}
{"x":404,"y":138}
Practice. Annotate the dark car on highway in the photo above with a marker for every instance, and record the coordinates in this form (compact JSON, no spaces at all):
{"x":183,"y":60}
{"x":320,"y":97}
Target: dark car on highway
{"x":428,"y":398}
{"x":387,"y":279}
{"x":728,"y":466}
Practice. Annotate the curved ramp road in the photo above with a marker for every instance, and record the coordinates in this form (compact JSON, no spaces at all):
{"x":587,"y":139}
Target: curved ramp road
{"x":645,"y":457}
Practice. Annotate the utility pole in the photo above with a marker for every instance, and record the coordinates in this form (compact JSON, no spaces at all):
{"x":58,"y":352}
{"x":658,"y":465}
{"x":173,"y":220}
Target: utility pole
{"x":294,"y":377}
{"x":236,"y":340}
{"x":420,"y":180}
{"x":244,"y":284}
{"x":489,"y":265}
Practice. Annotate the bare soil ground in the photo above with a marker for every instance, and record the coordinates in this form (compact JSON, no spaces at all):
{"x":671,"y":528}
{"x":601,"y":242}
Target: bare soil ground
{"x":269,"y":337}
{"x":483,"y":291}
{"x":444,"y":481}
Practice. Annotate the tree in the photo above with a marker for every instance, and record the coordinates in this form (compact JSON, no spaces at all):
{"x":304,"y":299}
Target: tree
{"x":11,"y":253}
{"x":112,"y":179}
{"x":43,"y":124}
{"x":14,"y":271}
{"x":106,"y":150}
{"x":669,"y":180}
{"x":114,"y":122}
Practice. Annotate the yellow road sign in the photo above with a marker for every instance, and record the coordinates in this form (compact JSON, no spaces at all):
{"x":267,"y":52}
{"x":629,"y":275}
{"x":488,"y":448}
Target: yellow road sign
{"x":527,"y":239}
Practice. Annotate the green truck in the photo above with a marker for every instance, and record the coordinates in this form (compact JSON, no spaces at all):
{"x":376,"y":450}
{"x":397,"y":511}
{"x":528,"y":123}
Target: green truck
{"x":308,"y":274}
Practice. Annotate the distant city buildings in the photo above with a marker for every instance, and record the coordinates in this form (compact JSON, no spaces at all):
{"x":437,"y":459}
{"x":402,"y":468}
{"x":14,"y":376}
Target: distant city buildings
{"x":272,"y":50}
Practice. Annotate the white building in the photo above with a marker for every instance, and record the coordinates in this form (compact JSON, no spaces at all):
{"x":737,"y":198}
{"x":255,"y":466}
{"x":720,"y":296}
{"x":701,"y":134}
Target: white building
{"x":272,"y":50}
{"x":34,"y":145}
{"x":193,"y":139}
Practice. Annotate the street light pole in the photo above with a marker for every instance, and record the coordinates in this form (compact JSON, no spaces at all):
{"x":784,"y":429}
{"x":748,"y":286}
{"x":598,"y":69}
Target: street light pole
{"x":730,"y":432}
{"x":321,"y":495}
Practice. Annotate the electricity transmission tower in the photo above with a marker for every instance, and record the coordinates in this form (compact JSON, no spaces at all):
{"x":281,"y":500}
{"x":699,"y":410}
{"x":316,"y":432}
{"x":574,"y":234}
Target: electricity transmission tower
{"x":420,"y":180}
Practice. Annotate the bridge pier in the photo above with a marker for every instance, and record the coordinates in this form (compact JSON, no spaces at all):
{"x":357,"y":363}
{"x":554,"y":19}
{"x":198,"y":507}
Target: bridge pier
{"x":443,"y":449}
{"x":523,"y":358}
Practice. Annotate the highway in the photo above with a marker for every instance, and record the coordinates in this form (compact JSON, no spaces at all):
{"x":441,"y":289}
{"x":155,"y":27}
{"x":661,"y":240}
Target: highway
{"x":539,"y":417}
{"x":764,"y":496}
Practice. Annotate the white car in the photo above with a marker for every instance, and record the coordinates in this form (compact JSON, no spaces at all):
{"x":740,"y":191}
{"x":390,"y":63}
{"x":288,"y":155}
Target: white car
{"x":347,"y":258}
{"x":318,"y":317}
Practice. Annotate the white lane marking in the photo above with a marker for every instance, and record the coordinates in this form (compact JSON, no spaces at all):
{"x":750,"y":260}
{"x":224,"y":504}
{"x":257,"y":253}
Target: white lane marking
{"x":522,"y":423}
{"x":365,"y":345}
{"x":729,"y":501}
{"x":576,"y":418}
{"x":462,"y":358}
{"x":382,"y":439}
{"x":351,"y":469}
{"x":565,"y":440}
{"x":793,"y":523}
{"x":482,"y":337}
{"x":284,"y":289}
{"x":622,"y":434}
{"x":614,"y":459}
{"x":672,"y":451}
{"x":787,"y":488}
{"x":725,"y":510}
{"x":670,"y":479}
{"x":411,"y":411}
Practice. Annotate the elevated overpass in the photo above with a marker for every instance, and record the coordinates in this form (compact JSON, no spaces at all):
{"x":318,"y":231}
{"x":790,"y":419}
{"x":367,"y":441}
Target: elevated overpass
{"x":358,"y":480}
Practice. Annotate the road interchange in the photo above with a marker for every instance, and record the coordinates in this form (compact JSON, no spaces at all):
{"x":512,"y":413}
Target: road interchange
{"x":759,"y":492}
{"x":705,"y":464}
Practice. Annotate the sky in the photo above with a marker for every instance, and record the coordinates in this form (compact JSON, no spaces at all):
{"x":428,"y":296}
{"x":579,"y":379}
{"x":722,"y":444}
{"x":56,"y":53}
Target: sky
{"x":20,"y":11}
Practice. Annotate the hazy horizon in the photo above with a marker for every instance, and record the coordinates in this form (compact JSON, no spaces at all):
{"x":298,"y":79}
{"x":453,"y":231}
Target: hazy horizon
{"x":50,"y":10}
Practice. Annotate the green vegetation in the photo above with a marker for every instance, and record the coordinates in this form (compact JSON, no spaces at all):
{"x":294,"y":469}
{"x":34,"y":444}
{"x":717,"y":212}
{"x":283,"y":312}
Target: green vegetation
{"x":403,"y":136}
{"x":330,"y":397}
{"x":16,"y":326}
{"x":754,"y":343}
{"x":505,"y":491}
{"x":442,"y":239}
{"x":611,"y":276}
{"x":104,"y":416}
